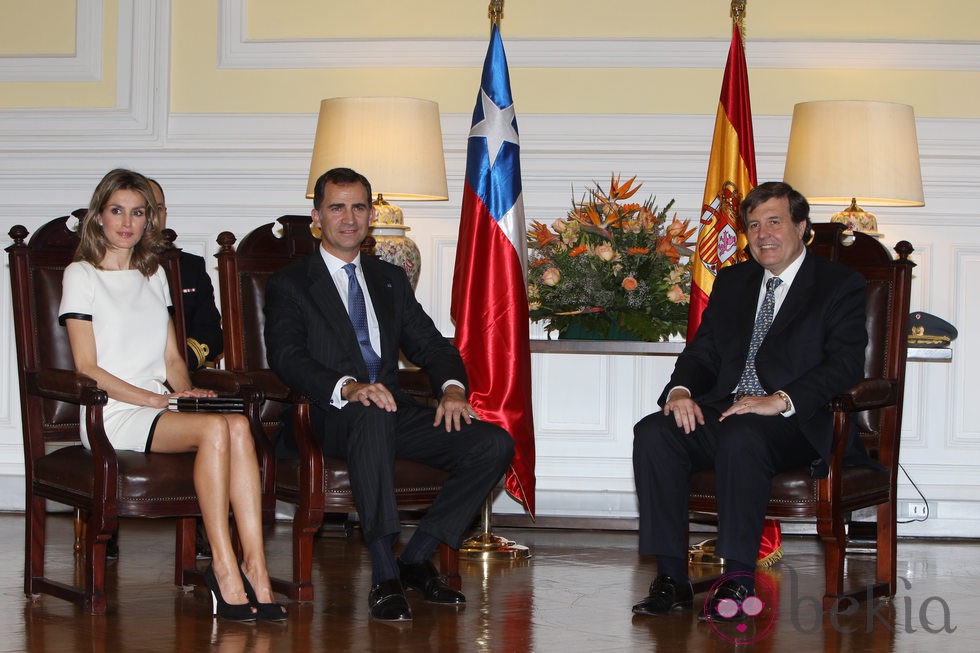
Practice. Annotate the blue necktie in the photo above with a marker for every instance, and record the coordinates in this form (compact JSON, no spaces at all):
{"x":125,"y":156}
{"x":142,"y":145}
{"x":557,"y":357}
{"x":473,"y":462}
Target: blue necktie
{"x":358,"y":318}
{"x":749,"y":383}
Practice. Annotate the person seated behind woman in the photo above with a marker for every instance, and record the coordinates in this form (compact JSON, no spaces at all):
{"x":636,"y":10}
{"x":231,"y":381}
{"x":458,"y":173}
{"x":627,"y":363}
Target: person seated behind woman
{"x":115,"y":307}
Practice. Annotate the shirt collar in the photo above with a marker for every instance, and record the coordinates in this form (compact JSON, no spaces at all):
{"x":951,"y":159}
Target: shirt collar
{"x":788,"y":274}
{"x":334,"y":264}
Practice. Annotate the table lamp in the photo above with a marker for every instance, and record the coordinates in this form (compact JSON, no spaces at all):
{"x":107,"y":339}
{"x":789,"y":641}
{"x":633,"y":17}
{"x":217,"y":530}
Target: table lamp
{"x":396,"y":143}
{"x":856,"y":152}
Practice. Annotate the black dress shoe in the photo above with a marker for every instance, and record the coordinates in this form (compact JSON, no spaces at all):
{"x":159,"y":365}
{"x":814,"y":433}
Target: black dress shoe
{"x":387,"y":602}
{"x":425,"y":579}
{"x":724,"y":603}
{"x":666,"y":595}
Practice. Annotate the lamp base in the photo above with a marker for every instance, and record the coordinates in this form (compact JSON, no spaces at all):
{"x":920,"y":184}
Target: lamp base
{"x":854,"y":218}
{"x":391,"y":243}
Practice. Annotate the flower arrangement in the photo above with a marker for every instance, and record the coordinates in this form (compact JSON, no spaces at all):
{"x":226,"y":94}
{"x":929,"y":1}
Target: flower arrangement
{"x":611,"y":266}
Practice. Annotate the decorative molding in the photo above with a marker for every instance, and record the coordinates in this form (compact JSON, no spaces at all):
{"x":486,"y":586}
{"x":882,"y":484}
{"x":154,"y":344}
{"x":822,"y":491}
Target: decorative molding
{"x":8,"y":356}
{"x":142,"y":94}
{"x":965,"y":425}
{"x":83,"y":66}
{"x":237,"y":51}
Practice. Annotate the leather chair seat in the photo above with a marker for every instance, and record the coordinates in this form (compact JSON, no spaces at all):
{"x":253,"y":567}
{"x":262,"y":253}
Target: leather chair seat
{"x":412,"y":480}
{"x":144,"y":478}
{"x":797,"y":488}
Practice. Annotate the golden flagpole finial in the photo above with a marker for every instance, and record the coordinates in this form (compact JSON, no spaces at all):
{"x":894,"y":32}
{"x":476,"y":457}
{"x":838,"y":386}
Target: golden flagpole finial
{"x":738,"y":16}
{"x":496,"y":12}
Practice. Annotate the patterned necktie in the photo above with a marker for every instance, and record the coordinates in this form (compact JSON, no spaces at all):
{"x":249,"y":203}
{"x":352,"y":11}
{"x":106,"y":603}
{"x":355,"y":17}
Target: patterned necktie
{"x":749,"y":383}
{"x":358,"y":318}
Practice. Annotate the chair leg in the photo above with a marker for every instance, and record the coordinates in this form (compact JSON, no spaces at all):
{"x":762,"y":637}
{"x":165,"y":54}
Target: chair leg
{"x":449,"y":565}
{"x":96,"y":538}
{"x":185,"y":554}
{"x":834,"y":538}
{"x":306,"y":523}
{"x":887,"y":546}
{"x":34,"y":523}
{"x":79,"y":523}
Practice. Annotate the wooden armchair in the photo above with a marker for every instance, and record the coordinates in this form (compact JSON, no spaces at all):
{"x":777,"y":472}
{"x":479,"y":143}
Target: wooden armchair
{"x":874,"y":405}
{"x":102,"y":484}
{"x":314,"y":483}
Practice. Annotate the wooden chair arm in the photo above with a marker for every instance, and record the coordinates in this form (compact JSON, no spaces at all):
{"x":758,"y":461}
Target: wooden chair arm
{"x":222,"y":381}
{"x":273,"y":388}
{"x":66,"y":385}
{"x":866,"y":395}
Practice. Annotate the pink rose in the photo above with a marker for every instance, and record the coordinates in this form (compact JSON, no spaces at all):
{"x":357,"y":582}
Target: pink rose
{"x":605,"y":252}
{"x":551,"y":277}
{"x":676,"y":295}
{"x":630,"y":284}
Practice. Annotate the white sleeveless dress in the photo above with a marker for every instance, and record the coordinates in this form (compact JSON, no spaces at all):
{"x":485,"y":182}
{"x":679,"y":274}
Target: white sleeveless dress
{"x":130,"y":319}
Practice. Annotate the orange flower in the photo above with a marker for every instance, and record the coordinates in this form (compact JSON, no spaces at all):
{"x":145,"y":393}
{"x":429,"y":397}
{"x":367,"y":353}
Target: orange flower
{"x":678,"y":230}
{"x":629,"y":284}
{"x":666,"y":247}
{"x":622,"y":192}
{"x":638,"y":250}
{"x":578,"y":251}
{"x":541,"y":235}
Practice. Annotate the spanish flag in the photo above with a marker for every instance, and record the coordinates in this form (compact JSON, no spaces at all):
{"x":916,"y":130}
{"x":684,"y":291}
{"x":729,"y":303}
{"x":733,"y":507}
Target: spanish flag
{"x":731,"y":174}
{"x":721,"y":237}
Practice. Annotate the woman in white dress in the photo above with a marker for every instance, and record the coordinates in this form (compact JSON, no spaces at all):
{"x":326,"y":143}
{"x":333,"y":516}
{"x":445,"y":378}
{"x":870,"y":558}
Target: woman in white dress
{"x":115,"y":306}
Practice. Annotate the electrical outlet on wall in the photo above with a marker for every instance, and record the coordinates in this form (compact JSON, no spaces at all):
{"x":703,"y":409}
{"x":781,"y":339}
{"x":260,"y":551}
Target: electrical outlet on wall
{"x":917,"y":509}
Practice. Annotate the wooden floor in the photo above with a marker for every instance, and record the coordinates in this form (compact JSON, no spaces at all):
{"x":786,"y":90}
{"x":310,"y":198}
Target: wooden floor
{"x":573,"y":595}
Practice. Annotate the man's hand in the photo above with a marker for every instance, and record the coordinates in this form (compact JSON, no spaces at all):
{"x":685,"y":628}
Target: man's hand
{"x":769,"y":405}
{"x":369,"y":393}
{"x":452,"y":407}
{"x":687,"y":414}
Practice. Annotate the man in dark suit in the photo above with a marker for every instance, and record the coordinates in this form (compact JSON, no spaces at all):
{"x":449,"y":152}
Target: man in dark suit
{"x":335,"y":323}
{"x":748,"y":399}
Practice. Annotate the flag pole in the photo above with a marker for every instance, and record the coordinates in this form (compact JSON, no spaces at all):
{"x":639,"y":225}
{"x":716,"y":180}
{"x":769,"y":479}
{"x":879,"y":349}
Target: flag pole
{"x":486,"y":545}
{"x":703,"y":552}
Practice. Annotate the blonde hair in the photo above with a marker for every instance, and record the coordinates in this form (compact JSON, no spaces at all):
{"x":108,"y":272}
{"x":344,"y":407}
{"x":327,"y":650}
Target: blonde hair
{"x":93,"y":243}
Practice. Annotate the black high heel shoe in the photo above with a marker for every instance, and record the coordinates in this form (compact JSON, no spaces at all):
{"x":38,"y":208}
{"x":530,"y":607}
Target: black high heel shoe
{"x":266,"y":611}
{"x":243,"y":612}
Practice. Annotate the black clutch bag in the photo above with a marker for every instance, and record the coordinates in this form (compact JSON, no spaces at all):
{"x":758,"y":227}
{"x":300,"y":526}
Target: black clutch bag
{"x":207,"y":404}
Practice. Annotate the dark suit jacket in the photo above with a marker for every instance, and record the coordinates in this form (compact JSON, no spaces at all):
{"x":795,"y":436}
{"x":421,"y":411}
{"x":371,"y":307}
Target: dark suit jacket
{"x":310,"y":343}
{"x":202,"y":321}
{"x":813,"y":351}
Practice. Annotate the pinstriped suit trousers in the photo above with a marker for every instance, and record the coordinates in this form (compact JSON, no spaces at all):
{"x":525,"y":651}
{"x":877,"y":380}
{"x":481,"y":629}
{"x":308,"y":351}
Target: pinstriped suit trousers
{"x":370,"y":439}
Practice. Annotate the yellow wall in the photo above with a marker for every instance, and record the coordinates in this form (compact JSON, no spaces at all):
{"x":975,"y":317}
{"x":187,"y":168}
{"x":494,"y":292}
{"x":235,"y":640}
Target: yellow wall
{"x":197,"y":86}
{"x":37,"y":27}
{"x":47,"y":28}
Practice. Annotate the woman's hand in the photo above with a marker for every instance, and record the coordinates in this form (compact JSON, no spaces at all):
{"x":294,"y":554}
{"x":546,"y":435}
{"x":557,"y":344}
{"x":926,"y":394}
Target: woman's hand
{"x":193,"y":392}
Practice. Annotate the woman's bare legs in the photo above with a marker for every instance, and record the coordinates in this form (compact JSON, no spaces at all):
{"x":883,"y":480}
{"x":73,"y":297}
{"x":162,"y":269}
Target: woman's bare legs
{"x":245,"y":491}
{"x":223,"y":443}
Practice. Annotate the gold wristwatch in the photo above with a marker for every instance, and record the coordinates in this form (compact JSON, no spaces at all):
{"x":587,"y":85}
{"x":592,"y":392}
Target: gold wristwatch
{"x":785,"y":397}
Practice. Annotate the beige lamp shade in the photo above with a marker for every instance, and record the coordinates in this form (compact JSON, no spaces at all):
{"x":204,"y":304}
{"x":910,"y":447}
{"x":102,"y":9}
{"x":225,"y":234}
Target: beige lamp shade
{"x":861,"y":150}
{"x":395,"y":142}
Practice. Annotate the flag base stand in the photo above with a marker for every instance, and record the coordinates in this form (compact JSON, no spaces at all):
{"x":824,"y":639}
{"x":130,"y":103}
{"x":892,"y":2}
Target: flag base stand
{"x":703,"y":553}
{"x":487,"y":546}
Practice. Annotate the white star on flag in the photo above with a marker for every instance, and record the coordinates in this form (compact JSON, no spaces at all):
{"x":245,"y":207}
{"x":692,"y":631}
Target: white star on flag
{"x":497,"y":126}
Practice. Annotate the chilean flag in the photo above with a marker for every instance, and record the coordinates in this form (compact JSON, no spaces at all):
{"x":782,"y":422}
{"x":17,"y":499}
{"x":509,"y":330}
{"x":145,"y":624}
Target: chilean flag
{"x":489,"y":300}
